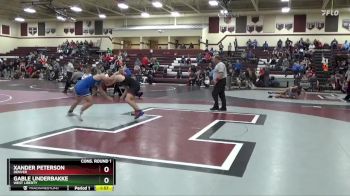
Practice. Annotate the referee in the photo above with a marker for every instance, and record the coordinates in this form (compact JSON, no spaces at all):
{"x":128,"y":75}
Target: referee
{"x":219,"y":78}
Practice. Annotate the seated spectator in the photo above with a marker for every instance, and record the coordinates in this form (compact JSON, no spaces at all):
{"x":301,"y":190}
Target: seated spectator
{"x":244,"y":55}
{"x":310,"y":72}
{"x":312,"y":78}
{"x":193,"y":68}
{"x":312,"y":47}
{"x":279,"y":44}
{"x":36,"y":74}
{"x":177,"y":44}
{"x":297,"y":69}
{"x":265,"y":46}
{"x":249,"y":44}
{"x":261,"y":76}
{"x":29,"y":71}
{"x":109,"y":51}
{"x":334,"y":44}
{"x":250,"y":55}
{"x":188,"y":61}
{"x":236,"y":44}
{"x":254,"y":44}
{"x":200,"y":75}
{"x":346,"y":45}
{"x":207,"y":57}
{"x":275,"y":52}
{"x":221,"y":48}
{"x":301,"y":53}
{"x":199,"y":58}
{"x":318,"y":44}
{"x":344,"y":66}
{"x":307,"y":44}
{"x":288,"y":43}
{"x":91,"y":44}
{"x":337,"y":80}
{"x":137,"y":62}
{"x":211,"y":51}
{"x":301,"y":43}
{"x":229,"y":49}
{"x":145,"y":62}
{"x":325,"y":67}
{"x":237,"y":68}
{"x":272,"y":62}
{"x":152,"y":62}
{"x":125,"y":55}
{"x":183,"y":60}
{"x":307,"y":62}
{"x":156,"y":64}
{"x":192,"y":79}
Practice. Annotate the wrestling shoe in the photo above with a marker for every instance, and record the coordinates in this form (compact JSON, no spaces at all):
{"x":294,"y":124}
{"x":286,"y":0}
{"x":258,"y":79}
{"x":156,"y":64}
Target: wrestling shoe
{"x":138,"y":114}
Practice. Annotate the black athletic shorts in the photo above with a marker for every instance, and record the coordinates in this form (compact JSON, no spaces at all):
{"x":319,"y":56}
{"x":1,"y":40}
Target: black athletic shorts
{"x":134,"y":87}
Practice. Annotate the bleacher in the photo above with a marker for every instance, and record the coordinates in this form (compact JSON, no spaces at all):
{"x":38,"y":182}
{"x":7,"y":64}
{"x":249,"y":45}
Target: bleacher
{"x":24,"y":51}
{"x":168,"y":59}
{"x":171,"y":61}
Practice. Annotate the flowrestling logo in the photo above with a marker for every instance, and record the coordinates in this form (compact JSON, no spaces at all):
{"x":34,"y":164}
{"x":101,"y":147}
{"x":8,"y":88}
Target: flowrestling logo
{"x":330,"y":12}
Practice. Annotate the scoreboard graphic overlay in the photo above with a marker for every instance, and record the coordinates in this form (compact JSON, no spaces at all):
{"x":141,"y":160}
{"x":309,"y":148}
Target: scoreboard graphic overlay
{"x":85,"y":174}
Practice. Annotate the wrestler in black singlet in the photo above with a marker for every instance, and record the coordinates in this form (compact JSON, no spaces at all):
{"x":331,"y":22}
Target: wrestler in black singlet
{"x":132,"y":84}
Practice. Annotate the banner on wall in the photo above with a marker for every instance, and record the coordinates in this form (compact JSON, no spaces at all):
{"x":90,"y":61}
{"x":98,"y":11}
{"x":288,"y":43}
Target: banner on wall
{"x":108,"y":31}
{"x":279,"y":26}
{"x":255,"y":24}
{"x":346,"y":24}
{"x":228,"y":19}
{"x":65,"y":30}
{"x":250,"y":28}
{"x":33,"y":30}
{"x":225,"y":23}
{"x":310,"y":25}
{"x":223,"y":29}
{"x":255,"y":19}
{"x":319,"y":25}
{"x":231,"y":29}
{"x":288,"y":26}
{"x":259,"y":28}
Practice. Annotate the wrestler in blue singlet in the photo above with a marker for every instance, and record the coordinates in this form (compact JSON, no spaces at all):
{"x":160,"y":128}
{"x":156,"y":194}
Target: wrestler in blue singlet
{"x":82,"y":88}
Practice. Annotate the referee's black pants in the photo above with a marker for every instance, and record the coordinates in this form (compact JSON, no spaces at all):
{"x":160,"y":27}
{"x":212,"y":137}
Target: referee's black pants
{"x":68,"y":81}
{"x":219,"y":91}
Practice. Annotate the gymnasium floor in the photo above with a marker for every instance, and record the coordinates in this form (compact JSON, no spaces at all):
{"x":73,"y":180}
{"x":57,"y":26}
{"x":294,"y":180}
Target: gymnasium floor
{"x":260,"y":146}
